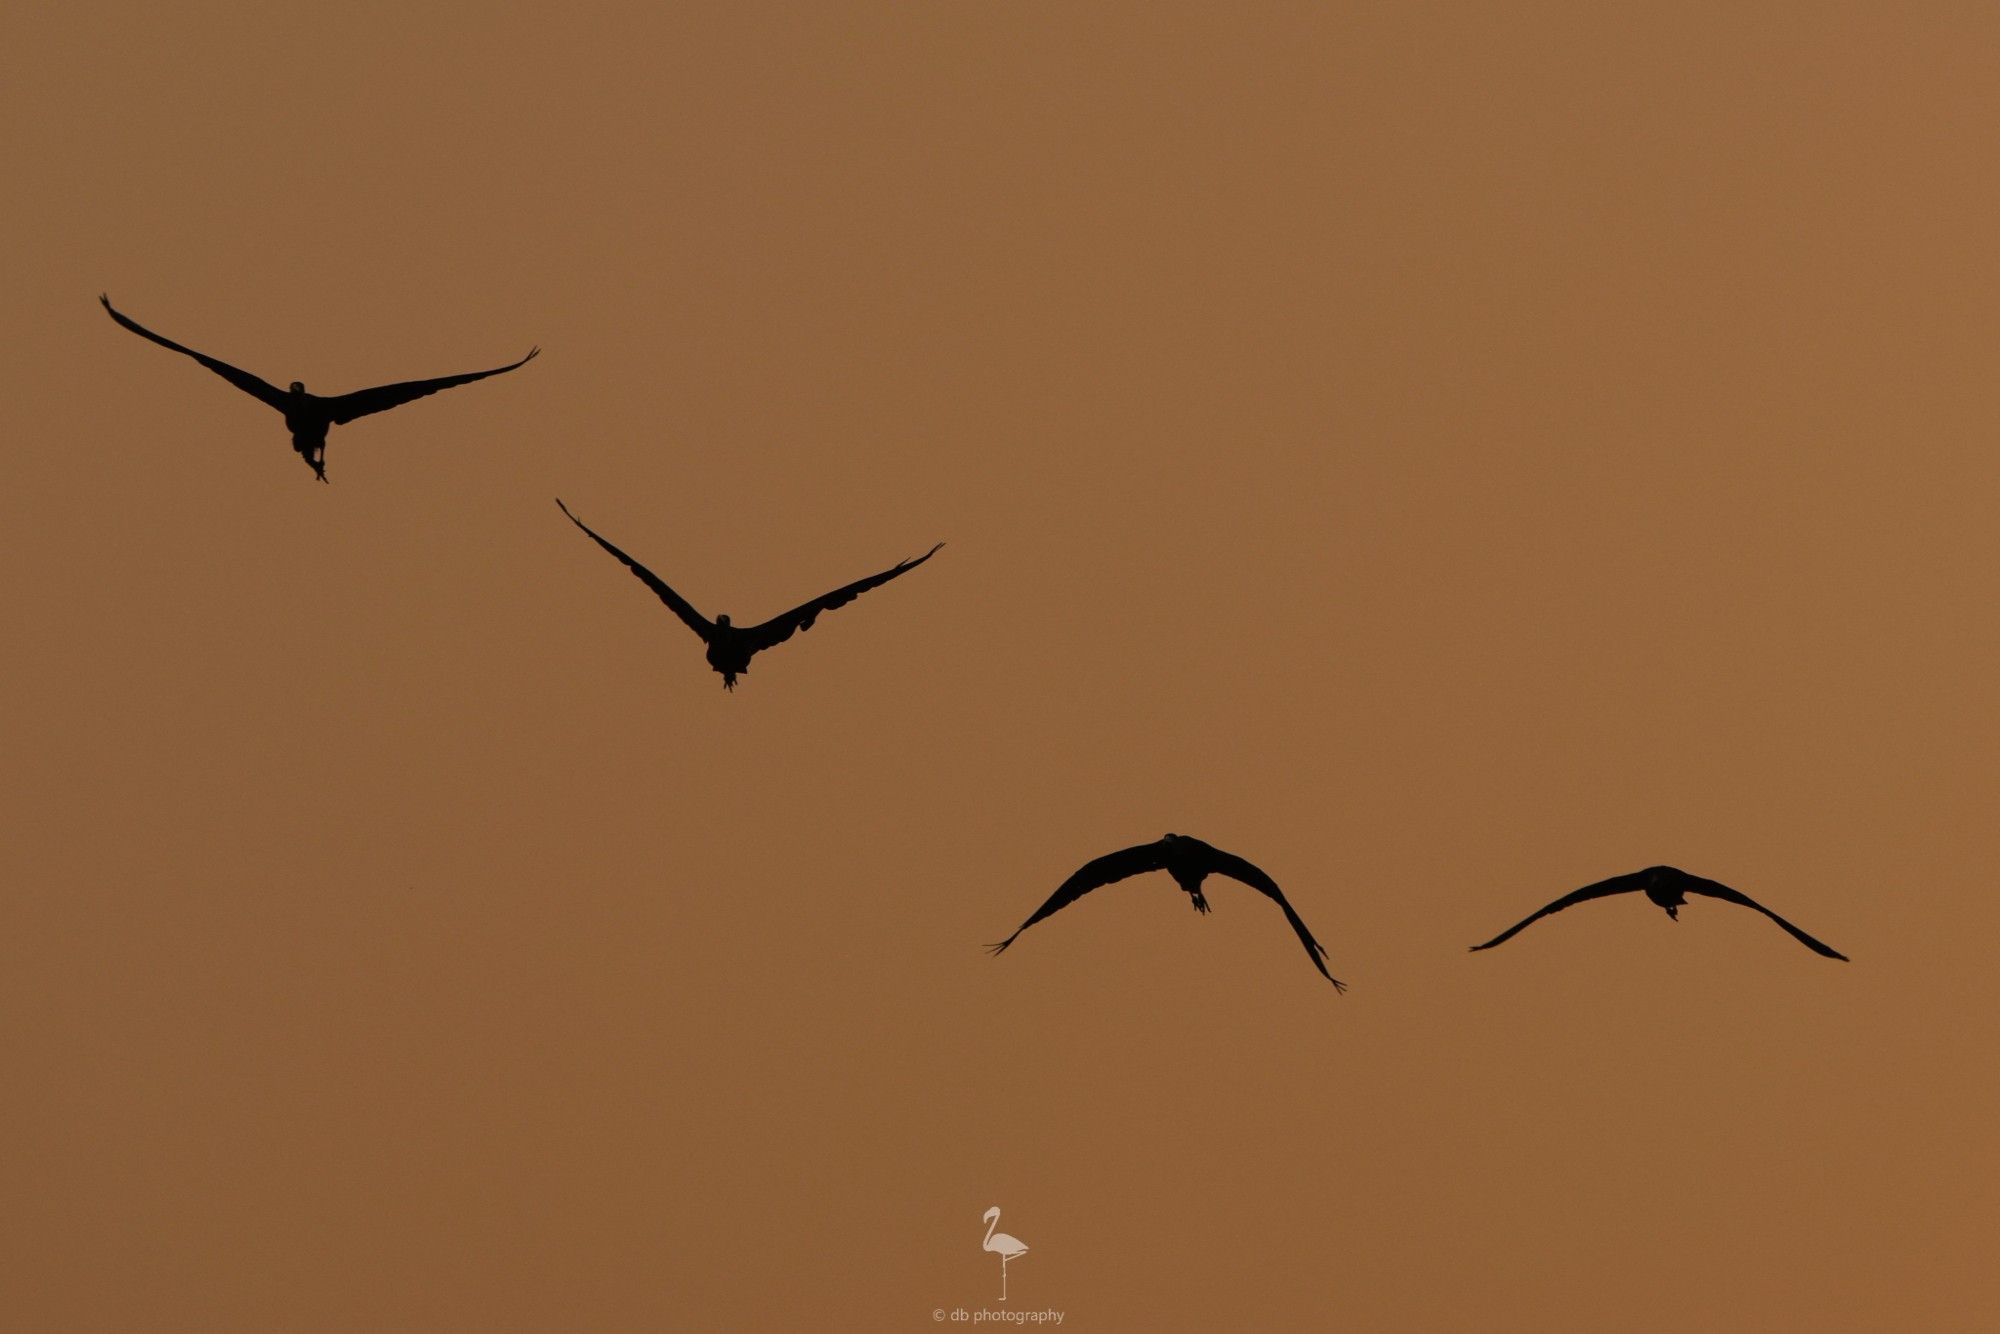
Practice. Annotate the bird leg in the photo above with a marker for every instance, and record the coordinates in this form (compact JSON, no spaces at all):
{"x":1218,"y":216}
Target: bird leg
{"x":314,"y":453}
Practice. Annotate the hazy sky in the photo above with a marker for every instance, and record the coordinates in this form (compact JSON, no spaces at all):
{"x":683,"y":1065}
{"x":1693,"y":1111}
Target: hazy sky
{"x":1444,"y":453}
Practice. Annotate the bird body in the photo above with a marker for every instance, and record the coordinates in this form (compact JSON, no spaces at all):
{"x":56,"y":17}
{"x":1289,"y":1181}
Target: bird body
{"x":730,"y":646}
{"x":309,"y":416}
{"x":1663,"y":886}
{"x":308,"y":423}
{"x":1189,"y":861}
{"x":1667,"y":887}
{"x":727,"y":653}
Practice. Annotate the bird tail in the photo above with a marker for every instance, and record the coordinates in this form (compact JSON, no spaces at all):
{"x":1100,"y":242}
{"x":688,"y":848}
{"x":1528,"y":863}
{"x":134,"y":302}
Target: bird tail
{"x":729,"y":681}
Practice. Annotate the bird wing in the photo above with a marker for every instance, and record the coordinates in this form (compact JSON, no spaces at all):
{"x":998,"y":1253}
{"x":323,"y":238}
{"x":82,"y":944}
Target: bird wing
{"x":1229,"y":864}
{"x":244,"y":380}
{"x":1095,"y":874}
{"x":1716,"y":890}
{"x":680,"y":605}
{"x":346,"y":407}
{"x":1617,"y":884}
{"x":780,"y":628}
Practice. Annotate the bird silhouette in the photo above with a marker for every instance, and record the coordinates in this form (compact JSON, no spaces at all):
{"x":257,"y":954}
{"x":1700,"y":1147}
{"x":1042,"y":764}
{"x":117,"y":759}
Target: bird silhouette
{"x":309,"y":416}
{"x":1189,"y":861}
{"x":1002,"y":1245}
{"x":730,"y":647}
{"x":1667,"y":886}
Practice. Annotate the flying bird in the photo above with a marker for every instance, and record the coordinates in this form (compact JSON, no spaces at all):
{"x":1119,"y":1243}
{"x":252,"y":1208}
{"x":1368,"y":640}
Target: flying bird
{"x":730,"y":647}
{"x":309,"y":416}
{"x":1667,"y":886}
{"x":1189,"y":861}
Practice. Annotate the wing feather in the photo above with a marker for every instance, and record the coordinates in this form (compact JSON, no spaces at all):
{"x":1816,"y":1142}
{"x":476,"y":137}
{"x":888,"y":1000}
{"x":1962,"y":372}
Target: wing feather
{"x":1095,"y":874}
{"x":343,"y":408}
{"x":1617,"y":884}
{"x":680,"y":606}
{"x":1236,"y":868}
{"x":262,"y":390}
{"x":780,"y":628}
{"x":1716,"y":890}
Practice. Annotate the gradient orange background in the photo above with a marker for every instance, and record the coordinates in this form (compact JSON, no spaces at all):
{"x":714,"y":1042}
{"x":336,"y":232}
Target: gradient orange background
{"x":1447,"y":454}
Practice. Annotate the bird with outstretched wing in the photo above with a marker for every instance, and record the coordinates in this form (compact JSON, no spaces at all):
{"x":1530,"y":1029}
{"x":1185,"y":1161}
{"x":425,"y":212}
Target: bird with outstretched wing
{"x":309,"y":416}
{"x":730,"y":647}
{"x":1189,"y":861}
{"x":1667,"y":887}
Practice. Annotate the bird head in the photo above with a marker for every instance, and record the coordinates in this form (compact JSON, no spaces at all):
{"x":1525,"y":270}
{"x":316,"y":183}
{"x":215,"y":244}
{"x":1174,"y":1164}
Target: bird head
{"x":298,"y":386}
{"x":992,"y":1215}
{"x":723,"y":620}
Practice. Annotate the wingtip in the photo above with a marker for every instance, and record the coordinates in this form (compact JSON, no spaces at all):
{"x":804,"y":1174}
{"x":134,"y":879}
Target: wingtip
{"x":997,"y":950}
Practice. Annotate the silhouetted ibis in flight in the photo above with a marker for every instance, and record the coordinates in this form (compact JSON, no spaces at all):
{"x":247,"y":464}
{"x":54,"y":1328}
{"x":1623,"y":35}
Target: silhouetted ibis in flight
{"x":1189,"y":861}
{"x":309,"y":416}
{"x":730,"y":647}
{"x":1668,"y":887}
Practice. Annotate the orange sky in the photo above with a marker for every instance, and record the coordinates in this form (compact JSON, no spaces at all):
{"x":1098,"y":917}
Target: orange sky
{"x":1444,"y":456}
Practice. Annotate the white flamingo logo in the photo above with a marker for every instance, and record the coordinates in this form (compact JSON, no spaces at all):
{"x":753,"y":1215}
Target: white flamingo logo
{"x":1002,"y":1245}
